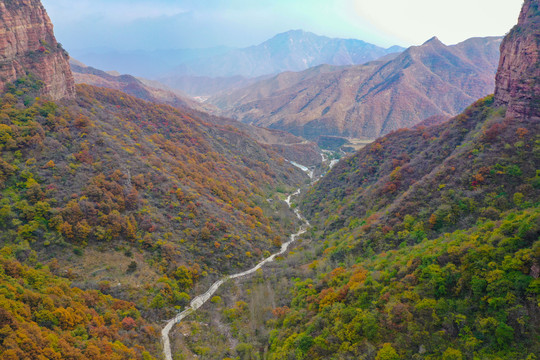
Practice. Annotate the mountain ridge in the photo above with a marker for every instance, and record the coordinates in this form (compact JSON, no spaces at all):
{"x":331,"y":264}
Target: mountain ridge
{"x":427,"y":240}
{"x":371,"y":99}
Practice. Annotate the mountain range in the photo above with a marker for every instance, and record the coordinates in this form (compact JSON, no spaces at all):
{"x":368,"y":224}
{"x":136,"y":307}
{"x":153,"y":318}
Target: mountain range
{"x":372,"y":99}
{"x":116,"y":213}
{"x":294,"y":50}
{"x":423,"y":245}
{"x":203,"y":72}
{"x":295,"y":148}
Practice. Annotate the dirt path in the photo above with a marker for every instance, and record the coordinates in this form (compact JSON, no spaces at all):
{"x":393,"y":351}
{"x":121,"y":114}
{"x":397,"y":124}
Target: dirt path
{"x":200,"y":300}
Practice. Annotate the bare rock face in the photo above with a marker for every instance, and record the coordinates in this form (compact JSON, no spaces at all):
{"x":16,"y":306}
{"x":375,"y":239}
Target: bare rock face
{"x":518,"y":77}
{"x":28,"y":45}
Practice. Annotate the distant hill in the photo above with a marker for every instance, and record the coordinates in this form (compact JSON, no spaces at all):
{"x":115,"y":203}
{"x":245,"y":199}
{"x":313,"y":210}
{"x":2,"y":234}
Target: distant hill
{"x":138,"y":87}
{"x":294,"y":50}
{"x":292,"y":147}
{"x":372,"y":99}
{"x":204,"y":72}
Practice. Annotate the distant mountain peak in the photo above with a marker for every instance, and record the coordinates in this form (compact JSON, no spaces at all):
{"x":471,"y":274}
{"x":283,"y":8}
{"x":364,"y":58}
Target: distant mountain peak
{"x":433,"y":41}
{"x":372,"y":99}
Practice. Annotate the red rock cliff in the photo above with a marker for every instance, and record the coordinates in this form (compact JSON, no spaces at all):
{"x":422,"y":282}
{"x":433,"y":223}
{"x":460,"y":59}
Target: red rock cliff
{"x":28,"y":45}
{"x":518,"y":77}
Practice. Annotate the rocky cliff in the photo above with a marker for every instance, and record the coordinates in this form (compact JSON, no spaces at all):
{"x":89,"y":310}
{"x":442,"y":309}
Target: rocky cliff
{"x":28,"y":45}
{"x":518,"y":77}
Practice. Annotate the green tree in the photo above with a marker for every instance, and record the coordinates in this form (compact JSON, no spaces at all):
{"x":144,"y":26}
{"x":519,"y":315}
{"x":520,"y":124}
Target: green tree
{"x":387,"y":352}
{"x":452,"y":354}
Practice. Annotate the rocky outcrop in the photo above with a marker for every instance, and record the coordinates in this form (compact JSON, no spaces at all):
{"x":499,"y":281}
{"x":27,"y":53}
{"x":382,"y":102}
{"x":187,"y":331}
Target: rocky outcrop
{"x":28,"y":45}
{"x":518,"y":77}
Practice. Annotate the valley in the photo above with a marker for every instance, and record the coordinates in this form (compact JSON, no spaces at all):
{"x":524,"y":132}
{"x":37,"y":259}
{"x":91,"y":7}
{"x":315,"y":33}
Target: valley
{"x":200,"y":300}
{"x":329,"y":198}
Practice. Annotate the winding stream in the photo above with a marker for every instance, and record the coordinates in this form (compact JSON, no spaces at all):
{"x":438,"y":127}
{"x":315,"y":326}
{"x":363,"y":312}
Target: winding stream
{"x":200,"y":300}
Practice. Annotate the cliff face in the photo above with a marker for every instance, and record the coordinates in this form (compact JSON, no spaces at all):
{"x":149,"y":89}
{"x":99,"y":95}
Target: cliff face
{"x":518,"y":77}
{"x":28,"y":45}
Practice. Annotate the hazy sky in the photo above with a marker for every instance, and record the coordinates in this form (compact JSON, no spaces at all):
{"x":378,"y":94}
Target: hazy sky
{"x":162,"y":24}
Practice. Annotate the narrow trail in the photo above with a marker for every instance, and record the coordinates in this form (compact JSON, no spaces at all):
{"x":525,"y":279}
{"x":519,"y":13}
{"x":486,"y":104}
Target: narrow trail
{"x":200,"y":300}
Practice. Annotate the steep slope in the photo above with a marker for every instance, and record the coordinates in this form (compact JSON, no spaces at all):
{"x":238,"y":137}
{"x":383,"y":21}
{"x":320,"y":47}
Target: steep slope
{"x":27,"y":44}
{"x":372,"y":99}
{"x":43,"y":317}
{"x":130,"y":85}
{"x":119,"y":169}
{"x":429,"y":238}
{"x":140,"y":201}
{"x":518,"y":78}
{"x":291,"y":147}
{"x":120,"y":196}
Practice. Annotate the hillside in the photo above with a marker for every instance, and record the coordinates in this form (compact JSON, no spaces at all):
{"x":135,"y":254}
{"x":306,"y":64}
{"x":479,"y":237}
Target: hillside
{"x":134,"y":199}
{"x":43,"y":317}
{"x":429,"y":238}
{"x":372,"y":99}
{"x":423,"y":246}
{"x":292,"y":147}
{"x":115,"y":168}
{"x":131,"y":85}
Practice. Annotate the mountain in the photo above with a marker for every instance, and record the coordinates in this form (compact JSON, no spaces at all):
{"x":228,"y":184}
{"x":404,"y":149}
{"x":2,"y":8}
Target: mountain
{"x":372,"y":99}
{"x":104,"y":196}
{"x":138,"y":200}
{"x":142,"y":89}
{"x":293,"y":148}
{"x":518,"y":78}
{"x":27,"y":44}
{"x":428,"y":239}
{"x":204,"y":72}
{"x":294,"y":50}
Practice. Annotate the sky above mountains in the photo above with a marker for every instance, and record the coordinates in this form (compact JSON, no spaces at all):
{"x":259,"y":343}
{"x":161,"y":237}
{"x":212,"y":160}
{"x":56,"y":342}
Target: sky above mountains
{"x":165,"y":24}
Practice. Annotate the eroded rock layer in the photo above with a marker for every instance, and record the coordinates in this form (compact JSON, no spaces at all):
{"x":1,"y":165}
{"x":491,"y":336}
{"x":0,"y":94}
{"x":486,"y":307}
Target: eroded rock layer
{"x":28,"y":45}
{"x":518,"y":77}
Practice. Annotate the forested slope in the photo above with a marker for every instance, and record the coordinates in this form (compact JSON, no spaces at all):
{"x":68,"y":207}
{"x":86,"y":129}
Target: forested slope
{"x":131,"y":198}
{"x":428,"y":240}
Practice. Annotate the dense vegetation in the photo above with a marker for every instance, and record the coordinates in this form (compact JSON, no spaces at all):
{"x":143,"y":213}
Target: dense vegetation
{"x":42,"y":317}
{"x":127,"y":198}
{"x":424,"y":245}
{"x":469,"y":294}
{"x":429,"y":248}
{"x":414,"y":184}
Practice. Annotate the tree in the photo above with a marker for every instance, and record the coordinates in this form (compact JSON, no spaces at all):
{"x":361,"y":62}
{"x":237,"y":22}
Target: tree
{"x":387,"y":352}
{"x":452,"y":354}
